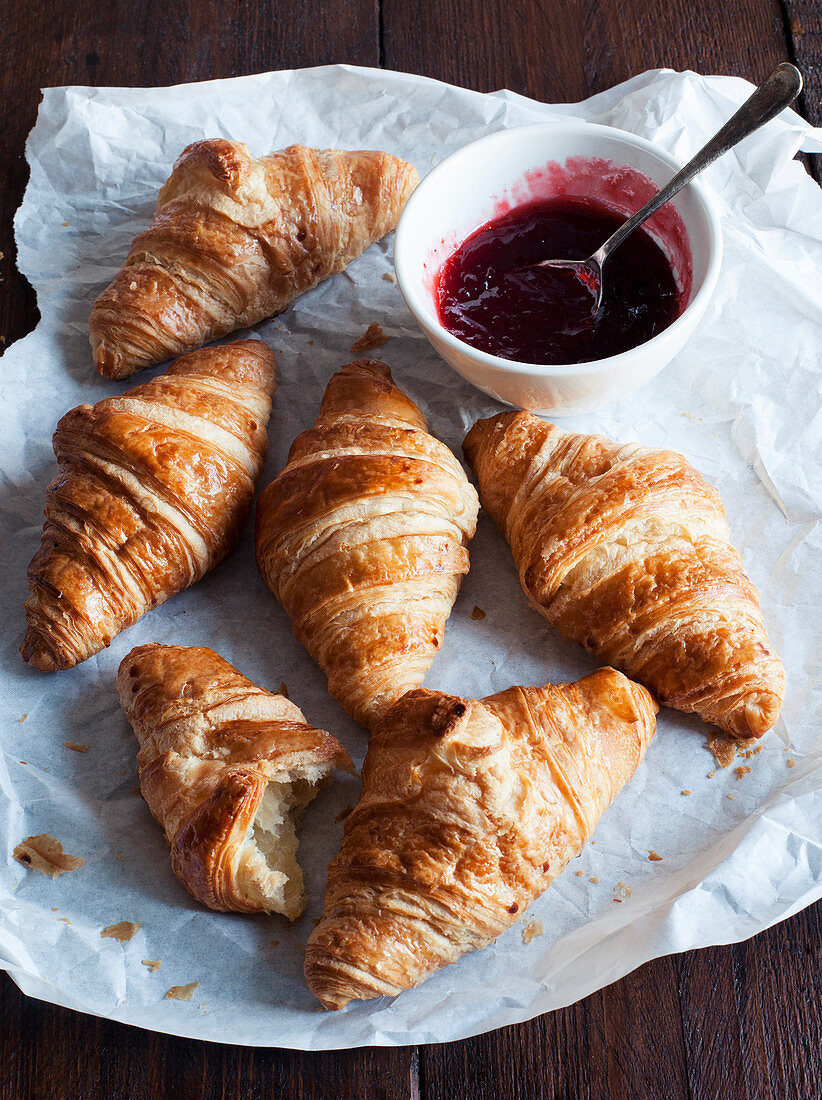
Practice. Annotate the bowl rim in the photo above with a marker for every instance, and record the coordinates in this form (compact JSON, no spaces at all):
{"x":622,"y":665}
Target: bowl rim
{"x":692,"y":312}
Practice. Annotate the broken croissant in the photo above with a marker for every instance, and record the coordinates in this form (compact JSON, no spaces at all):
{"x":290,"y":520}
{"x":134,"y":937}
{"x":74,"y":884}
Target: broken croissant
{"x":152,"y":491}
{"x":235,"y":240}
{"x":362,"y":538}
{"x":468,"y":811}
{"x":226,"y":768}
{"x":626,"y":550}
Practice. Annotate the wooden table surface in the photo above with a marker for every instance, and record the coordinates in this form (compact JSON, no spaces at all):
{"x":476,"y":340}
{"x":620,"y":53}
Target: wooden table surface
{"x":737,"y":1022}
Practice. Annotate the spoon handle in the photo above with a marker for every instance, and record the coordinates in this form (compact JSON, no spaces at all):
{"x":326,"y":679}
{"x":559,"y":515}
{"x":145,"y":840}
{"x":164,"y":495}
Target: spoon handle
{"x":774,"y":95}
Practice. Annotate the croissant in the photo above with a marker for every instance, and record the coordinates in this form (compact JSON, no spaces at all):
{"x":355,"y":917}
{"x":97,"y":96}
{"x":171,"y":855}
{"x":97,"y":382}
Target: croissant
{"x":625,"y":550}
{"x":468,"y":812}
{"x":226,"y":768}
{"x":152,"y":491}
{"x":235,"y":240}
{"x":362,"y":538}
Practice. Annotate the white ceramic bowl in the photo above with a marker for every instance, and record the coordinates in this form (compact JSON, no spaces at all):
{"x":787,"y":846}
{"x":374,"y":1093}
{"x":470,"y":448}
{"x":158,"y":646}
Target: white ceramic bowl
{"x":507,"y":168}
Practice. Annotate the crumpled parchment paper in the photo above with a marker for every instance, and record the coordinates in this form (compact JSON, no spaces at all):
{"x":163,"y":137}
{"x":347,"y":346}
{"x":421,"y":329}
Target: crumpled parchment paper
{"x":742,"y":401}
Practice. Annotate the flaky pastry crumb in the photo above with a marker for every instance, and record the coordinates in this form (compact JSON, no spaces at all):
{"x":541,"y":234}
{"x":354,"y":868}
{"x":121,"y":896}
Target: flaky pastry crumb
{"x":123,"y":931}
{"x":373,"y":337}
{"x":533,"y":929}
{"x":723,"y":749}
{"x":181,"y":992}
{"x":45,"y":854}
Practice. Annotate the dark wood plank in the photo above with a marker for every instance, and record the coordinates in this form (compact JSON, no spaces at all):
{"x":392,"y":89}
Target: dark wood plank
{"x":643,"y":1032}
{"x":786,"y":962}
{"x":52,"y":1052}
{"x":565,"y":50}
{"x":803,"y":27}
{"x":560,"y":1054}
{"x":721,"y":1054}
{"x":624,"y":1041}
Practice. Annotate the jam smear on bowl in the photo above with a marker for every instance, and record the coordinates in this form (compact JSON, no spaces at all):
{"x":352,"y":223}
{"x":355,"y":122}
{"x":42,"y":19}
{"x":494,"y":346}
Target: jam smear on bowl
{"x":490,"y":298}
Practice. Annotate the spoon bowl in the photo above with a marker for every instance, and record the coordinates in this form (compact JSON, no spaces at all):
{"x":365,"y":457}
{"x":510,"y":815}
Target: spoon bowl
{"x":774,"y":95}
{"x":588,"y":272}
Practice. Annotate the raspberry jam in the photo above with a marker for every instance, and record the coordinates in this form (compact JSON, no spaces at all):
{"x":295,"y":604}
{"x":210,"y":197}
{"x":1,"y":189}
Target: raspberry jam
{"x":488,"y":297}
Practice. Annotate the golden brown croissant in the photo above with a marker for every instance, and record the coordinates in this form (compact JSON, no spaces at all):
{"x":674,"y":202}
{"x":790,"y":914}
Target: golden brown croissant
{"x":625,"y":550}
{"x":152,"y":491}
{"x":469,"y":810}
{"x":235,"y":240}
{"x":362,"y":538}
{"x":226,"y":768}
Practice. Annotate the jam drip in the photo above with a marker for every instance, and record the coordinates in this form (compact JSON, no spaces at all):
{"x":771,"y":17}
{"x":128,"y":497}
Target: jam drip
{"x":489,"y":297}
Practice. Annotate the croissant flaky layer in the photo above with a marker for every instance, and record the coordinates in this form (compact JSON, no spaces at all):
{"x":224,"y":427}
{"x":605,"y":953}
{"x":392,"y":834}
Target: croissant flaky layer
{"x":152,"y":491}
{"x":235,"y":240}
{"x":226,"y":768}
{"x":468,"y":811}
{"x":362,"y":538}
{"x":626,"y":550}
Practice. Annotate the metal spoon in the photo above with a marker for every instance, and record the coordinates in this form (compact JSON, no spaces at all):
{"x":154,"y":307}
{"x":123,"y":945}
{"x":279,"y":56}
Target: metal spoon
{"x":778,"y":91}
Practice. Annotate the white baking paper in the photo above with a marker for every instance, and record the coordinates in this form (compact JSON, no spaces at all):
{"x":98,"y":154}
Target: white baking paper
{"x":742,"y":401}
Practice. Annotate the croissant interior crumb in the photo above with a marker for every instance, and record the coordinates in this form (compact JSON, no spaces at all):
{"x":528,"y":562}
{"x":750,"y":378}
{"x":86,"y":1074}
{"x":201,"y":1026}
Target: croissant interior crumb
{"x":269,"y":865}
